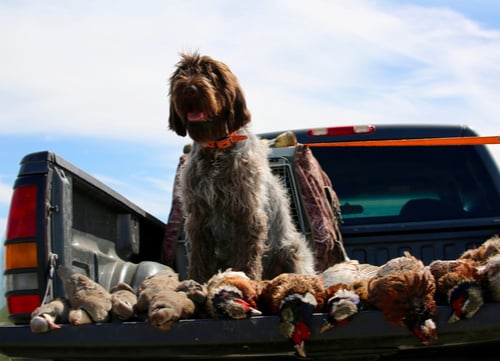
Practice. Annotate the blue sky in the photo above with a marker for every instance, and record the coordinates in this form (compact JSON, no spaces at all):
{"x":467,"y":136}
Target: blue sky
{"x":88,"y":79}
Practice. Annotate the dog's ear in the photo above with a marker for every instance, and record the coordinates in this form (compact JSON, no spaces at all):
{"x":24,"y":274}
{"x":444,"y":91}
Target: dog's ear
{"x":238,"y":114}
{"x":241,"y":113}
{"x":175,"y":123}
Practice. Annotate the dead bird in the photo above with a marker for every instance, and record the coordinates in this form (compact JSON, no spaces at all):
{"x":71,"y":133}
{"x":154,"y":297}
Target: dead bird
{"x":89,"y":301}
{"x":47,"y":316}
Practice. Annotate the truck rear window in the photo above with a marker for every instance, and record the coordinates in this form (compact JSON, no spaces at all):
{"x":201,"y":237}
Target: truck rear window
{"x":387,"y":184}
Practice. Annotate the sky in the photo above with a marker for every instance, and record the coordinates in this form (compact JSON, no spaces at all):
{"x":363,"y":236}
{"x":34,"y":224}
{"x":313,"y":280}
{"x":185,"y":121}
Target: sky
{"x":88,"y":79}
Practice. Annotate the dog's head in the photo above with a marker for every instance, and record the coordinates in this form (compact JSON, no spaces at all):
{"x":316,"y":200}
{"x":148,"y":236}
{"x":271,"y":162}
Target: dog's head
{"x":206,"y":99}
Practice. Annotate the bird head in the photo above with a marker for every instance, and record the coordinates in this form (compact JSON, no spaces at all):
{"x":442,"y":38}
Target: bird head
{"x":340,"y":309}
{"x":228,"y":303}
{"x":422,"y":325}
{"x":295,"y":319}
{"x":465,"y":300}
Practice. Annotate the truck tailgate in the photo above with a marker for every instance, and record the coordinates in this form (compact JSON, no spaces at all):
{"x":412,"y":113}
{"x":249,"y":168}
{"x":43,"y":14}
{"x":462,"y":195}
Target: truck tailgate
{"x":367,"y":336}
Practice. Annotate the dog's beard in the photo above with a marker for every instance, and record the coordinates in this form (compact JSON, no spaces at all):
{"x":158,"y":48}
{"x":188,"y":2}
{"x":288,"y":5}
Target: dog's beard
{"x":203,"y":115}
{"x":205,"y":131}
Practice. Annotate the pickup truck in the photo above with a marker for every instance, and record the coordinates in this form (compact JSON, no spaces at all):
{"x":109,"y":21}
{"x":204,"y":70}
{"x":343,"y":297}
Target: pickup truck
{"x":431,"y":190}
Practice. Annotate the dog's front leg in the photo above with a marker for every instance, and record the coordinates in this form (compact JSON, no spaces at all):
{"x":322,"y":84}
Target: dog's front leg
{"x":250,"y":246}
{"x":201,"y":262}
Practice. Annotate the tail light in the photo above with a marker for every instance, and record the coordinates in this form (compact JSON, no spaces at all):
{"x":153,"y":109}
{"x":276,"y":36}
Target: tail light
{"x":22,"y":213}
{"x":21,"y":254}
{"x":344,"y":130}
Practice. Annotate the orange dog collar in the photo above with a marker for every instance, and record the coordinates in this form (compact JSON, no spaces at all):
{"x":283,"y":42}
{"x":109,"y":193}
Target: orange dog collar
{"x":226,"y":142}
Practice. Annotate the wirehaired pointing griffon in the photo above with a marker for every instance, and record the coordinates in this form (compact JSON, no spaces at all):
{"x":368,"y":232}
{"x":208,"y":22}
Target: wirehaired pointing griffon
{"x":237,"y":212}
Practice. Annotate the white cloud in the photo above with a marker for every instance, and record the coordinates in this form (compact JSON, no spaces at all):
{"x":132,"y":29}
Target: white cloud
{"x":91,"y":68}
{"x":93,"y":71}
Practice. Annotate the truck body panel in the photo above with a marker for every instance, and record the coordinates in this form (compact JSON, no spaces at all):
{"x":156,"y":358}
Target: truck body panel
{"x":81,"y":222}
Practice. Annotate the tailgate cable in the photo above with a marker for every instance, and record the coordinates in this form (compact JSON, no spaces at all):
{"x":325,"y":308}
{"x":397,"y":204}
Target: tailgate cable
{"x":50,"y":277}
{"x":412,"y":142}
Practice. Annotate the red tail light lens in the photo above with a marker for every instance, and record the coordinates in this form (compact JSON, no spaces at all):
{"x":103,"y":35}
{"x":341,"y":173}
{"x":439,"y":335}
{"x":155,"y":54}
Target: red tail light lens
{"x":22,"y":214}
{"x":345,"y":130}
{"x":23,"y":303}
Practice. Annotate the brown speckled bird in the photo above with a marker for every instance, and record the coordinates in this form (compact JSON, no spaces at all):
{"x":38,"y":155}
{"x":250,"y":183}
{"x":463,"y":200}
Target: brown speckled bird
{"x":294,"y":297}
{"x":166,"y":279}
{"x":489,"y":272}
{"x":47,"y":316}
{"x":487,"y":249}
{"x":487,"y":262}
{"x":161,"y":303}
{"x":232,"y":294}
{"x":167,"y":307}
{"x":123,"y":299}
{"x":345,"y":289}
{"x":458,"y":284}
{"x":404,"y":290}
{"x":90,"y":302}
{"x":196,"y":292}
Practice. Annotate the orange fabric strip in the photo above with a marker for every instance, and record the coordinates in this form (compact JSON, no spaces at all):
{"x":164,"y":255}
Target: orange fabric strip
{"x":412,"y":142}
{"x":226,"y":142}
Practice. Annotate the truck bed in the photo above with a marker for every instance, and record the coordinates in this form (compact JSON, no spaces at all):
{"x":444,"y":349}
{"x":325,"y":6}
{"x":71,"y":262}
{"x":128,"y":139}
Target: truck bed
{"x":368,"y":336}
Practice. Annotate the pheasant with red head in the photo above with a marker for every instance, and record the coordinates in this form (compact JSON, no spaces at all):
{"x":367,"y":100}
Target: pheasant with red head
{"x":232,"y":294}
{"x":404,"y":291}
{"x":458,"y":284}
{"x":345,"y":289}
{"x":294,"y":297}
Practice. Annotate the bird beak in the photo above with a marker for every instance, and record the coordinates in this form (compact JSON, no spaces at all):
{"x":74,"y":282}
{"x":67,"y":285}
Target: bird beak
{"x":300,"y":348}
{"x":426,"y":332}
{"x":454,"y":318}
{"x":326,"y":326}
{"x":255,"y":312}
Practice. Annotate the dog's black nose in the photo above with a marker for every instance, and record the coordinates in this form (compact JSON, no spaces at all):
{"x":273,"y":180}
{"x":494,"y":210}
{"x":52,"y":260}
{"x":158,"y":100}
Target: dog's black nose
{"x":190,"y":91}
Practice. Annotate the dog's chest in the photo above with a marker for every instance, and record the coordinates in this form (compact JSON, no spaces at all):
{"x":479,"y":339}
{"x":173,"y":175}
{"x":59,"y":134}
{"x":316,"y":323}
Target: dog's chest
{"x":221,"y":181}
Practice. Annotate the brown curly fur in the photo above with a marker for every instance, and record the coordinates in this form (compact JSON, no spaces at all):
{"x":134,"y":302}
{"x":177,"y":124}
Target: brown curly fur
{"x":237,"y":211}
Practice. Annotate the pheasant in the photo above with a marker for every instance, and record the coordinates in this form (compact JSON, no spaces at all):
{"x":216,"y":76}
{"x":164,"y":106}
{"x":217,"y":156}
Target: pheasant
{"x":294,"y":297}
{"x":403,"y":289}
{"x":232,"y":294}
{"x":89,"y":301}
{"x":345,"y":290}
{"x":458,"y":284}
{"x":489,"y":272}
{"x":487,"y":262}
{"x":47,"y":316}
{"x":487,"y":249}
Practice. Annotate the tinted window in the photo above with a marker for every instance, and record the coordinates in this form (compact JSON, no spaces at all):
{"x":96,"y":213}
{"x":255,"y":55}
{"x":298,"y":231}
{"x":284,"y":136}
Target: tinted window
{"x":386,"y":184}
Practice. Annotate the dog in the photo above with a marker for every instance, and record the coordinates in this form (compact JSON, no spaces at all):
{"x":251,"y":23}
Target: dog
{"x":237,"y":212}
